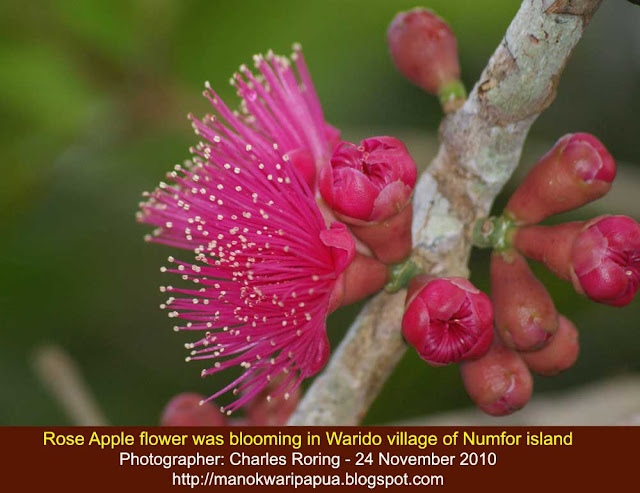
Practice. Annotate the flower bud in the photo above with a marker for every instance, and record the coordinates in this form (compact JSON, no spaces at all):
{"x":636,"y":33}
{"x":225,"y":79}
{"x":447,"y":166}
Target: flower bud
{"x":605,"y":260}
{"x":549,"y":245}
{"x":369,"y":187}
{"x":525,"y":315}
{"x":559,"y":354}
{"x":188,"y":409}
{"x":424,"y":49}
{"x":600,"y":257}
{"x":390,"y":240}
{"x":499,"y":382}
{"x":577,"y":170}
{"x":364,"y":277}
{"x":370,"y":182}
{"x":361,"y":276}
{"x":447,"y":320}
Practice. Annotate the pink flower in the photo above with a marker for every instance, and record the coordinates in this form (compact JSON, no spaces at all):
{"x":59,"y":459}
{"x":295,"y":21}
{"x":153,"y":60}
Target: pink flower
{"x":370,"y":182}
{"x":278,"y":108}
{"x":424,"y":49}
{"x":447,"y":320}
{"x":267,"y":270}
{"x":271,"y":412}
{"x":605,"y":260}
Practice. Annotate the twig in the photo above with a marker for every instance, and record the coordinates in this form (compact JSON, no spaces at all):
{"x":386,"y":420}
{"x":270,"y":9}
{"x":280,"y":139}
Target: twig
{"x":59,"y":373}
{"x":480,"y":148}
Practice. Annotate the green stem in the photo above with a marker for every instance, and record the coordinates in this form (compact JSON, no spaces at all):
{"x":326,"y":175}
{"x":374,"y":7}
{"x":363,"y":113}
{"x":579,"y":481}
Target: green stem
{"x":452,"y":96}
{"x":401,"y":274}
{"x":493,"y":232}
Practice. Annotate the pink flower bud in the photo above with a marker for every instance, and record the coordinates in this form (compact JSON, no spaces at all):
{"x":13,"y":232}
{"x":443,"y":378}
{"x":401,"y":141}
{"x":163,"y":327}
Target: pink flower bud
{"x":364,"y":277}
{"x":447,"y":320}
{"x":189,"y":409}
{"x":370,"y":182}
{"x":499,"y":382}
{"x":549,"y":245}
{"x":525,"y":315}
{"x":390,"y":240}
{"x":600,"y":257}
{"x":424,"y":49}
{"x":559,"y":354}
{"x":605,"y":260}
{"x":369,"y":186}
{"x":577,"y":170}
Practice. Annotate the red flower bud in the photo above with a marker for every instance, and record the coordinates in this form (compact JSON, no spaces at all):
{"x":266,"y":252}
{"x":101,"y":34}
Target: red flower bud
{"x":188,"y":409}
{"x":559,"y":354}
{"x":364,"y":277}
{"x":605,"y":260}
{"x":525,"y":315}
{"x":577,"y":170}
{"x":601,"y":257}
{"x":369,"y":186}
{"x":549,"y":245}
{"x":370,"y":182}
{"x":390,"y":240}
{"x":447,"y":320}
{"x":499,"y":382}
{"x":424,"y":49}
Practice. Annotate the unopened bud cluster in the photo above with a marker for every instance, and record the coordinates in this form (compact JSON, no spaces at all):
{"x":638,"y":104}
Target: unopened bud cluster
{"x":600,"y":257}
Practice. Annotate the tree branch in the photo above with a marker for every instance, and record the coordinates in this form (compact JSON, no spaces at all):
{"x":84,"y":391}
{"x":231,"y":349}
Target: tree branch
{"x":480,"y":148}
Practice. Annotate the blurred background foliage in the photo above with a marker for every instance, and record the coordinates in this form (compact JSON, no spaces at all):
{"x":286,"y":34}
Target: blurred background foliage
{"x":93,"y":99}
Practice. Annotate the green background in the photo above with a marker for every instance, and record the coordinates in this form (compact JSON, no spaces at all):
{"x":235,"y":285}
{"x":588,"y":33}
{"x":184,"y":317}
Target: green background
{"x":93,"y":102}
